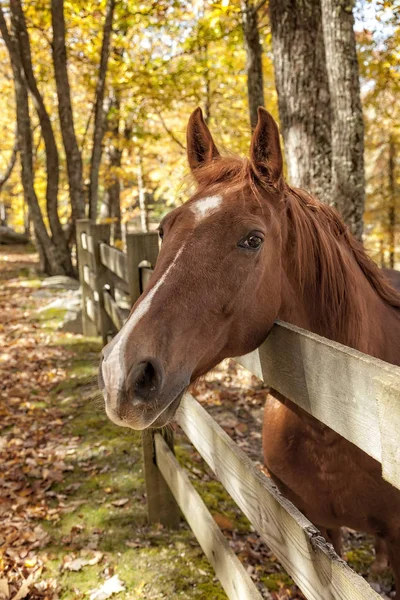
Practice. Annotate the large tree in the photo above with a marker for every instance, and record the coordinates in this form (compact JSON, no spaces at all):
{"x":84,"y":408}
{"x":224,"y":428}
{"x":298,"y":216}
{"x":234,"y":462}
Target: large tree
{"x":348,"y":179}
{"x":303,"y":94}
{"x":319,"y":101}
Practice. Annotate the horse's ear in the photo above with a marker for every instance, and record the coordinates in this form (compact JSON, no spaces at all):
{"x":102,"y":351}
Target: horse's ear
{"x":200,"y":145}
{"x":265,"y":151}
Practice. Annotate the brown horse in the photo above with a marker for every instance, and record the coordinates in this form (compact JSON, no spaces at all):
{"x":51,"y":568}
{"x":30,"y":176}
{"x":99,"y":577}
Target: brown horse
{"x":245,"y":250}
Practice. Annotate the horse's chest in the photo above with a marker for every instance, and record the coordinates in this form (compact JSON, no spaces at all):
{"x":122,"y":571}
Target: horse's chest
{"x":319,"y":471}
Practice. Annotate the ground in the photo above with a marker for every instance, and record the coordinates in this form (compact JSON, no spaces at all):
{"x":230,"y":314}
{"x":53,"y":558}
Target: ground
{"x":72,"y":503}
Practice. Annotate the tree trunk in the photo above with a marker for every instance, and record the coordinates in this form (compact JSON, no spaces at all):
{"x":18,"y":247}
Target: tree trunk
{"x":348,"y":178}
{"x":48,"y":252}
{"x":19,"y":28}
{"x":392,"y":203}
{"x":255,"y":84}
{"x":72,"y":152}
{"x":303,"y":93}
{"x":11,"y":163}
{"x":115,"y":157}
{"x":99,"y":116}
{"x":4,"y":177}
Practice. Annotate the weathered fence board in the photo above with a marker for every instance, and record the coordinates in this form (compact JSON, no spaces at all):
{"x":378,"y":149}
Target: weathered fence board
{"x":228,"y":568}
{"x":116,"y":314}
{"x":89,"y":324}
{"x":114,"y":260}
{"x":312,"y":563}
{"x":330,"y":381}
{"x":140,"y":246}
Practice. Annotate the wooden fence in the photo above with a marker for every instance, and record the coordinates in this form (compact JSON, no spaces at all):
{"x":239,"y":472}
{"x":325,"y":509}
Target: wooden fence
{"x":354,"y":394}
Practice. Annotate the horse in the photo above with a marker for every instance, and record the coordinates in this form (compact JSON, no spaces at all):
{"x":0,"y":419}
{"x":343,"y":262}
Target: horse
{"x":245,"y":250}
{"x":394,"y":277}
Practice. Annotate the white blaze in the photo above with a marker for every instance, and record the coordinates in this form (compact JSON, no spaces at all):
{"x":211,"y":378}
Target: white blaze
{"x":206,"y":206}
{"x":113,"y":370}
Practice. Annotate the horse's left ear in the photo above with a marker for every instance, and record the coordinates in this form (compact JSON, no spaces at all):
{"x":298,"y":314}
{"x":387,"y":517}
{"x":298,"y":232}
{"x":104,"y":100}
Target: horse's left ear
{"x":200,"y":144}
{"x":265,"y":151}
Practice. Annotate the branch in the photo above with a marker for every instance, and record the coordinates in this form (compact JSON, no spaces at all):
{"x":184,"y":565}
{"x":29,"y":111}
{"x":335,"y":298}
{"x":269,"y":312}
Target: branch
{"x":170,"y":133}
{"x":259,"y":5}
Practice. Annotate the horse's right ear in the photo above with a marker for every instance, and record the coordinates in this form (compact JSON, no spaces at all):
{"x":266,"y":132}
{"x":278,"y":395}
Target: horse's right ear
{"x":200,"y":145}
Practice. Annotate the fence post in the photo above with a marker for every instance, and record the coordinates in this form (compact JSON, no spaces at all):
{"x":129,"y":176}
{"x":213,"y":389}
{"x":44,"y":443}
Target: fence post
{"x":139,"y":247}
{"x":161,"y":505}
{"x":101,"y":233}
{"x":82,"y":232}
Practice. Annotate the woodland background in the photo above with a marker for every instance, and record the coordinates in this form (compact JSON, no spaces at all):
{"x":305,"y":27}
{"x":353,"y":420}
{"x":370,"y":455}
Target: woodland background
{"x":104,"y":90}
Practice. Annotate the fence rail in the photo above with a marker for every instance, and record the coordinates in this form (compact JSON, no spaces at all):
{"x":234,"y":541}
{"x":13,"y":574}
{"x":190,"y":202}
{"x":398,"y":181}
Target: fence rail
{"x":354,"y":394}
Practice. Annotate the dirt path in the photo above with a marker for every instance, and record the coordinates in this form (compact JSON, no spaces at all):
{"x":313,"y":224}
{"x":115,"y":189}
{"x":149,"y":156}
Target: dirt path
{"x":72,"y":503}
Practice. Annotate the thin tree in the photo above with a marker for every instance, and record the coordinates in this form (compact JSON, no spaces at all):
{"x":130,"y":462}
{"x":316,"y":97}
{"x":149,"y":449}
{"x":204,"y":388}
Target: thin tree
{"x":114,"y":151}
{"x":392,"y":201}
{"x":254,"y":69}
{"x":99,"y":112}
{"x":18,"y":25}
{"x":72,"y":152}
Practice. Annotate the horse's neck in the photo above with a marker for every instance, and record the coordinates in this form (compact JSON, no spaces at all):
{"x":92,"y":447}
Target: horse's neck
{"x":378,"y":323}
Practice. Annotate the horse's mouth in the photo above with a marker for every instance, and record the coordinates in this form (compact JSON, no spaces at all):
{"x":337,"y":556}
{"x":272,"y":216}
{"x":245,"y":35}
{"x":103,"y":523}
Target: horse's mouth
{"x":167,"y":415}
{"x":140,"y":420}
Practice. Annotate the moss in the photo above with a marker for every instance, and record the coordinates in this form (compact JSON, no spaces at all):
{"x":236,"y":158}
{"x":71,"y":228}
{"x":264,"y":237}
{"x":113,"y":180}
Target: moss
{"x":360,"y":558}
{"x":276,"y":581}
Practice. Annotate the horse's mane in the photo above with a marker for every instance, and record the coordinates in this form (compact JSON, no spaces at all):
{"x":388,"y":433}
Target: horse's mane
{"x":323,"y":252}
{"x":320,"y":246}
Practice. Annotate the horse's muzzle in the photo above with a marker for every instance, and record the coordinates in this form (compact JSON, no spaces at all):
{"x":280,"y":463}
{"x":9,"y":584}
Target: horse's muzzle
{"x":142,"y":399}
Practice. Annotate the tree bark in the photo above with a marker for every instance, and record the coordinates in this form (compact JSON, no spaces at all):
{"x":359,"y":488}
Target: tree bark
{"x":303,"y":93}
{"x":47,"y":249}
{"x":115,"y":157}
{"x":72,"y":152}
{"x":255,"y":83}
{"x":348,"y":178}
{"x":99,"y":116}
{"x":19,"y":28}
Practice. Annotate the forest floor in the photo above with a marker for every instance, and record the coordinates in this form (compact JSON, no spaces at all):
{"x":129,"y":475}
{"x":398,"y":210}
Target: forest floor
{"x":72,"y":493}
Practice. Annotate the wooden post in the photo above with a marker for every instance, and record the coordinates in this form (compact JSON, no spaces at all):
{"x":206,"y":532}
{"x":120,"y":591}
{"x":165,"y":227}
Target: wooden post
{"x":99,"y":234}
{"x":82,"y":231}
{"x":140,"y":246}
{"x":161,"y":505}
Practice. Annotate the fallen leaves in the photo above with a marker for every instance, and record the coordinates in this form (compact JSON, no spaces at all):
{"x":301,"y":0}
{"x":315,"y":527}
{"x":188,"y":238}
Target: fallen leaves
{"x":120,"y":502}
{"x":32,"y":450}
{"x":86,"y":559}
{"x":110,"y":587}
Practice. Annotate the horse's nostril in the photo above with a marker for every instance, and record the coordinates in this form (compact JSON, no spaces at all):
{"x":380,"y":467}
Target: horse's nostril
{"x":146,"y":379}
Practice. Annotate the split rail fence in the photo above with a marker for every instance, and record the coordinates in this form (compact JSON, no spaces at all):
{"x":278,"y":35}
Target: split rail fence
{"x":354,"y":394}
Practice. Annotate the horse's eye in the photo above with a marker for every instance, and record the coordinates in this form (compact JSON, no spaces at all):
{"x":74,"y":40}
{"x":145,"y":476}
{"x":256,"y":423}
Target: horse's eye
{"x":251,"y":242}
{"x":161,"y":233}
